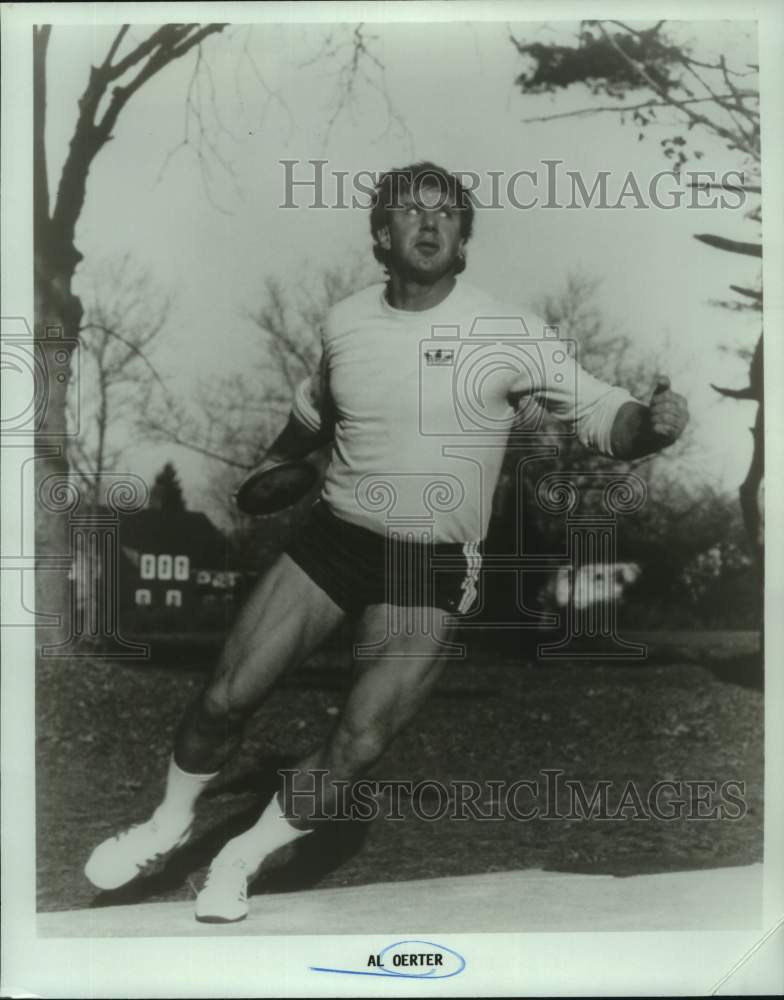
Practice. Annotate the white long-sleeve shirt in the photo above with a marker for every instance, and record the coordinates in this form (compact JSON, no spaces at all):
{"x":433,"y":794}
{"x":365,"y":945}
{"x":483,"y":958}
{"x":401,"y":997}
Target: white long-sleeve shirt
{"x":423,"y":404}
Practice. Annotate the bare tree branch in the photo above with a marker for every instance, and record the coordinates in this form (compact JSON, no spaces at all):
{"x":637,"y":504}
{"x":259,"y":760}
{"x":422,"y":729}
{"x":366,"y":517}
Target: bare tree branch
{"x":273,"y":95}
{"x":614,"y":109}
{"x":114,"y":47}
{"x":737,"y":94}
{"x":175,"y":45}
{"x":733,"y":246}
{"x":168,"y":434}
{"x":132,"y":348}
{"x":203,"y":146}
{"x":162,"y":47}
{"x":124,"y":314}
{"x":747,"y":393}
{"x":718,"y":99}
{"x":142,"y":49}
{"x":354,"y":70}
{"x":710,"y":185}
{"x":749,"y":292}
{"x":693,"y":116}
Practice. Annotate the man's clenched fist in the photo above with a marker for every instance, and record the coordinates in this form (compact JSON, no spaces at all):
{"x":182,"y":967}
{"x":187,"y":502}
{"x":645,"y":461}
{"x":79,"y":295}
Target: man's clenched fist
{"x":669,"y":412}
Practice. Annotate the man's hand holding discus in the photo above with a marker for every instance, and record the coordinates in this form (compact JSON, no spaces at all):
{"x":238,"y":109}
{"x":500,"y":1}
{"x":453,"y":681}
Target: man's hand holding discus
{"x":275,"y":485}
{"x":285,"y":475}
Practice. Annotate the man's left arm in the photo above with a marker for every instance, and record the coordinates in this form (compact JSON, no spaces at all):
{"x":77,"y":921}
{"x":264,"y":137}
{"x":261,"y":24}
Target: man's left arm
{"x":639,"y":430}
{"x":606,"y":418}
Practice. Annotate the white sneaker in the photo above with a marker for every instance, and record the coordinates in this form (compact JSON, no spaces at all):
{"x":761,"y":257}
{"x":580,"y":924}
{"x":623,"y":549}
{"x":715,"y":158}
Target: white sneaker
{"x":224,"y":898}
{"x":122,"y":858}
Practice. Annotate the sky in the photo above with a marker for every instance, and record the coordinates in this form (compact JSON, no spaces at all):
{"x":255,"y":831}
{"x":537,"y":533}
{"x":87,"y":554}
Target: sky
{"x":451,"y":90}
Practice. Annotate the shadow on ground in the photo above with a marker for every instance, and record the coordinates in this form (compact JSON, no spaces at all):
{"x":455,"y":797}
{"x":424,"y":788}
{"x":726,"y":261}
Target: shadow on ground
{"x":745,"y":671}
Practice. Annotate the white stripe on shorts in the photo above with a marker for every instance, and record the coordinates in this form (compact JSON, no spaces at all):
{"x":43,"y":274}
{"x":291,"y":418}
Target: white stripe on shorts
{"x":474,"y":559}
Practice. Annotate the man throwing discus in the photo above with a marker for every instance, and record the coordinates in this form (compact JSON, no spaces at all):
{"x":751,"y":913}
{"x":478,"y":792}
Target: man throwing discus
{"x":421,"y":381}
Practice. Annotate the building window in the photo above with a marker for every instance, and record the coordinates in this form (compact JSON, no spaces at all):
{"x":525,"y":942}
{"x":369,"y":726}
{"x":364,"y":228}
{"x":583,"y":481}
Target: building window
{"x":147,"y":566}
{"x":173,"y":598}
{"x":143,"y":598}
{"x":164,"y":567}
{"x":181,"y":567}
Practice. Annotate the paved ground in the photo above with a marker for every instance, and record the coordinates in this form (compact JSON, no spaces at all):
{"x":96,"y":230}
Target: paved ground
{"x":711,"y":899}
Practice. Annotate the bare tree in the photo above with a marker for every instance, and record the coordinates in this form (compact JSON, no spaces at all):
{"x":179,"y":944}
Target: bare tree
{"x":124,"y":314}
{"x":701,"y":95}
{"x":290,"y":316}
{"x":58,"y":311}
{"x":125,"y":67}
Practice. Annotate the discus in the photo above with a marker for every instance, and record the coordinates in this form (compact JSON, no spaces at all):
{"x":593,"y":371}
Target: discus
{"x":272,"y":489}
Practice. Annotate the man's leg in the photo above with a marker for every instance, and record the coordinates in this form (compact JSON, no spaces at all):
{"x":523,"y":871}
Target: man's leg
{"x":285,"y":618}
{"x":389,"y":690}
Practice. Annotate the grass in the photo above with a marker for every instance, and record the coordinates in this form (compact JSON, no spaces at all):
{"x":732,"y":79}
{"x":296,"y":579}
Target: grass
{"x":104,"y":733}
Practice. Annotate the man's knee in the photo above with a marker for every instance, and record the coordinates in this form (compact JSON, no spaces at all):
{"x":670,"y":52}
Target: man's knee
{"x":353,"y":748}
{"x":218,"y":707}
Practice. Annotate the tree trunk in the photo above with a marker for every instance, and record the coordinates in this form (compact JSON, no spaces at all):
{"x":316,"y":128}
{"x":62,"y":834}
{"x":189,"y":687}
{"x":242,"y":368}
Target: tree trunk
{"x":752,"y":506}
{"x":58,"y":314}
{"x":57,"y":317}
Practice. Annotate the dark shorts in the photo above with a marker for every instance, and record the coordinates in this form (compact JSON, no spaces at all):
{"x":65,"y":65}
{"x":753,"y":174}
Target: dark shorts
{"x":358,"y":567}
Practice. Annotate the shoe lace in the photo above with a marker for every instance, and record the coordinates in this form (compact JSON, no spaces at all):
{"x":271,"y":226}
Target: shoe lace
{"x":235,"y":870}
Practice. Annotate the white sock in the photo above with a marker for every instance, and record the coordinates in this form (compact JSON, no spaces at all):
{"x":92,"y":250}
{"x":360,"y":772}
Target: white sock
{"x":271,"y":831}
{"x":176,"y":811}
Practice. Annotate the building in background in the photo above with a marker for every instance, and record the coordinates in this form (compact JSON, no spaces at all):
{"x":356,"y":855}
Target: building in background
{"x":177,"y":570}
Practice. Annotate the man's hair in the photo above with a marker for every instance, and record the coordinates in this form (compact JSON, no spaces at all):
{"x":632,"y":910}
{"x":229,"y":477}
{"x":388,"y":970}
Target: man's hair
{"x":399,"y":181}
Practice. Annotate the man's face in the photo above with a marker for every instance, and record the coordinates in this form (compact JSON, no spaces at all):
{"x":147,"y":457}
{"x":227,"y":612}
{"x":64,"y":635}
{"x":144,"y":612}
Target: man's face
{"x":422,"y":235}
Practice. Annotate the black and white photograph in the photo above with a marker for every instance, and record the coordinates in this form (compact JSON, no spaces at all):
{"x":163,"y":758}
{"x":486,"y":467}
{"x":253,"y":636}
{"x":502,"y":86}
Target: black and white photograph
{"x":389,"y":590}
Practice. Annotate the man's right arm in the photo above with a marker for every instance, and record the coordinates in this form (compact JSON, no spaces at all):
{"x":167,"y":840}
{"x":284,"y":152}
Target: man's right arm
{"x":310,"y":425}
{"x":296,"y":441}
